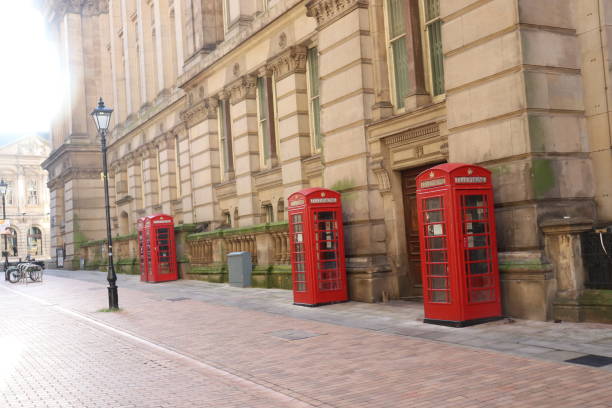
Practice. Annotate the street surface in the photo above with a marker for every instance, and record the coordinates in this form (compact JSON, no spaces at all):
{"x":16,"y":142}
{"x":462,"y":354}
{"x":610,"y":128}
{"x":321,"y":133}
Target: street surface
{"x":196,"y":344}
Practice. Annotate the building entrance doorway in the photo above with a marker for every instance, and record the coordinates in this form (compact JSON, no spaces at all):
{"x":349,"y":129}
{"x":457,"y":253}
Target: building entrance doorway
{"x":413,"y":247}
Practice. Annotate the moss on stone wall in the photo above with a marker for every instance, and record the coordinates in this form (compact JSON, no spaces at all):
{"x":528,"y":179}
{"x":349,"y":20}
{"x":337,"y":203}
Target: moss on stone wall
{"x":253,"y":229}
{"x":542,"y":177}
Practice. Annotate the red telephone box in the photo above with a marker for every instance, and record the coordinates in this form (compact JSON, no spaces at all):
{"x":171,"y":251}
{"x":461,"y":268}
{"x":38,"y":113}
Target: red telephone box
{"x":157,"y":248}
{"x":458,"y":245}
{"x":317,"y":247}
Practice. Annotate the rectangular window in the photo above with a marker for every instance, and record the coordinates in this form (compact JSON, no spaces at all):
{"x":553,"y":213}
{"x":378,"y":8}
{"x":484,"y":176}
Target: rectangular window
{"x":315,"y":107}
{"x":177,"y":165}
{"x":433,"y":33}
{"x":397,"y":50}
{"x":268,"y":213}
{"x":265,"y":110}
{"x":9,"y":194}
{"x":33,"y":193}
{"x":142,"y":183}
{"x":159,"y":184}
{"x":225,"y":138}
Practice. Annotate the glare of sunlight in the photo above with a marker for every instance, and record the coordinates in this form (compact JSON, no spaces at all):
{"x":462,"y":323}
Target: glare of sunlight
{"x":10,"y":353}
{"x":31,"y":82}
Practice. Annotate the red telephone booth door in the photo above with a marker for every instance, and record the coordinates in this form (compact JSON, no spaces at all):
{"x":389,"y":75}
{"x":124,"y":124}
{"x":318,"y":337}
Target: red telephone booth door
{"x":440,"y":286}
{"x":164,"y":255}
{"x":329,"y":256}
{"x":302,"y":293}
{"x":479,"y":253}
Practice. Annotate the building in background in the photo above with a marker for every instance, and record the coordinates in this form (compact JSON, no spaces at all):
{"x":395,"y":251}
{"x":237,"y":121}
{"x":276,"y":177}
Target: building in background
{"x":225,"y":107}
{"x":27,"y":196}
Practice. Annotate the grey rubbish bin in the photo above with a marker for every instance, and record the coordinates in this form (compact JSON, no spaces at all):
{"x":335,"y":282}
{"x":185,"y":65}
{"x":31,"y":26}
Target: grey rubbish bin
{"x":240,"y":267}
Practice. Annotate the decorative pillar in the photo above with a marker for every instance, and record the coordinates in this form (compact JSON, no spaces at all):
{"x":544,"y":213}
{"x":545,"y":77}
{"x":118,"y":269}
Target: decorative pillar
{"x":246,"y":146}
{"x":203,"y":160}
{"x":346,"y":109}
{"x":293,"y":122}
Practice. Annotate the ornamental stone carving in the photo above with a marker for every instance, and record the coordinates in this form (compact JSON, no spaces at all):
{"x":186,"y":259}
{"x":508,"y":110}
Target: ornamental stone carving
{"x":205,"y":109}
{"x":327,"y":11}
{"x":384,"y":182}
{"x":83,"y":7}
{"x":244,"y":88}
{"x":290,"y":62}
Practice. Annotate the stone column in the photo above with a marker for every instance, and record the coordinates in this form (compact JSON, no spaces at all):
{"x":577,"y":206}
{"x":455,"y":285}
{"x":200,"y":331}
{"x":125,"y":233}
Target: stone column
{"x":593,"y":23}
{"x":117,"y":63}
{"x":382,"y":107}
{"x":167,"y":169}
{"x":293,"y":122}
{"x":149,"y":173}
{"x":519,"y":112}
{"x":184,"y":170}
{"x":347,"y":97}
{"x":134,"y":180}
{"x":56,"y":205}
{"x":204,"y":163}
{"x":563,"y":248}
{"x":130,"y":60}
{"x":73,"y":55}
{"x":147,"y":64}
{"x":246,"y":146}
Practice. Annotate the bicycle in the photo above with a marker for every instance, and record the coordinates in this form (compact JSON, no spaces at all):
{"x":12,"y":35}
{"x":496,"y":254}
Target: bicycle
{"x":25,"y":271}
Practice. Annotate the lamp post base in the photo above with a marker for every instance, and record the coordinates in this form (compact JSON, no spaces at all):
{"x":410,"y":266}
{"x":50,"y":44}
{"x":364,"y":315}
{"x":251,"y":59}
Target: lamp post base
{"x":113,"y":298}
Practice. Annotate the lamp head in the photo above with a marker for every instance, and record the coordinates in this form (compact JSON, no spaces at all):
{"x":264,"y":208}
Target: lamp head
{"x":101,"y":116}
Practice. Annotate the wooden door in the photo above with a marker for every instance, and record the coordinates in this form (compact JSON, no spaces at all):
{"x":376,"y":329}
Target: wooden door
{"x":412,"y":228}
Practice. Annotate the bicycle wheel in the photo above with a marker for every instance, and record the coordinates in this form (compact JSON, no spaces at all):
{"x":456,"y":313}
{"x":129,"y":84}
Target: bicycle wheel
{"x":15,"y":276}
{"x":35,"y":275}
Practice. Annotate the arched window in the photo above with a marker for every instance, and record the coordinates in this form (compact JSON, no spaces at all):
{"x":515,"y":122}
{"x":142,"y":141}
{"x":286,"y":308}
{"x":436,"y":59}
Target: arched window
{"x":11,"y":242}
{"x":280,"y":210}
{"x":33,"y":193}
{"x":34,"y":241}
{"x":124,"y":224}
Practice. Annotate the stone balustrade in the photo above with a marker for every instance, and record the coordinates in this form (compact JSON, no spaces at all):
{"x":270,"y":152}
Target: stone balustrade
{"x":204,"y":255}
{"x":267,"y":243}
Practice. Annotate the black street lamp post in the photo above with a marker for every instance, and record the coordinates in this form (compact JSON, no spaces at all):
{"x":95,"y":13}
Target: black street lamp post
{"x":3,"y":189}
{"x":101,"y":116}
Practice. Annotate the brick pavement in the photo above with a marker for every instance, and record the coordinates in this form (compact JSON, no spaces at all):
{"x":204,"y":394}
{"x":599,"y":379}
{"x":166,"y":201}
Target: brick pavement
{"x":53,"y":359}
{"x":337,"y":366}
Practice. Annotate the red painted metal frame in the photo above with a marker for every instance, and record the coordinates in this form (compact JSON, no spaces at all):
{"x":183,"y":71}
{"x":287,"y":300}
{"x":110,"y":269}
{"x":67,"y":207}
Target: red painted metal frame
{"x":140,"y":227}
{"x":319,"y":285}
{"x":159,"y":263}
{"x":468,"y":302}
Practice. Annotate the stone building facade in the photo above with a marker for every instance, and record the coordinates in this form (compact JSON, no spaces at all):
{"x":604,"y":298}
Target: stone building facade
{"x":27,"y":198}
{"x":225,"y":107}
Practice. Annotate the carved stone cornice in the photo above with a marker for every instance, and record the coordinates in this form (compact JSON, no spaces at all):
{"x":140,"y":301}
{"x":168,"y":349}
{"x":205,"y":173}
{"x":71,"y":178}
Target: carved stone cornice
{"x":180,"y":131}
{"x":79,"y":174}
{"x":94,"y":7}
{"x":428,"y":131}
{"x":244,"y":88}
{"x":290,"y":62}
{"x":59,"y":8}
{"x":204,"y":109}
{"x":328,"y":11}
